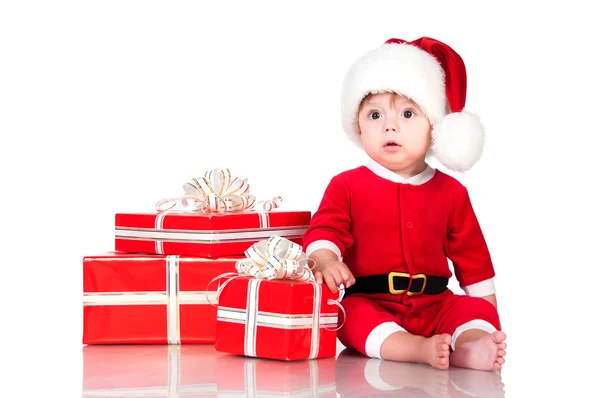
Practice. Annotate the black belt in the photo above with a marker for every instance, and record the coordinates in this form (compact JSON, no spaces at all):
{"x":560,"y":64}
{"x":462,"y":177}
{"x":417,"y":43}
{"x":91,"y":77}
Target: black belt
{"x":398,"y":283}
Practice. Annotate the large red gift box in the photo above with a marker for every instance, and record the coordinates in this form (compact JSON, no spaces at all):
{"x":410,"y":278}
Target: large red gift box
{"x":149,"y":371}
{"x":205,"y":234}
{"x":244,"y":376}
{"x":278,"y":319}
{"x":145,"y":299}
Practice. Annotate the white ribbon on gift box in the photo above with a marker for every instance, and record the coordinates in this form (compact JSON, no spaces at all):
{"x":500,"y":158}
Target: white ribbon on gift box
{"x":160,"y":235}
{"x":255,"y":318}
{"x":276,"y":258}
{"x":217,"y":192}
{"x":172,"y":297}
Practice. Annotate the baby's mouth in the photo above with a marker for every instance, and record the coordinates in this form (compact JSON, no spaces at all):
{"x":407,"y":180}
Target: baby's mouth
{"x":391,"y":144}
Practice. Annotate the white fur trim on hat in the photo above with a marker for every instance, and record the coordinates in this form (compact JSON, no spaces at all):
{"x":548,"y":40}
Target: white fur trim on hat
{"x":457,"y":138}
{"x":400,"y":68}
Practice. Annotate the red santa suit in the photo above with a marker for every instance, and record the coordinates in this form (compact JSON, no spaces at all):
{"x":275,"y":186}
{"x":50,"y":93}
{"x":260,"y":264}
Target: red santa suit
{"x":378,"y":223}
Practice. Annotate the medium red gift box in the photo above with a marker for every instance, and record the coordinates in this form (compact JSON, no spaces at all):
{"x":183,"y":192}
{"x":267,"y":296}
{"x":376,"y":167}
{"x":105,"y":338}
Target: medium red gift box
{"x":238,"y":375}
{"x":278,"y":319}
{"x":205,"y":234}
{"x":145,"y":299}
{"x":149,"y":370}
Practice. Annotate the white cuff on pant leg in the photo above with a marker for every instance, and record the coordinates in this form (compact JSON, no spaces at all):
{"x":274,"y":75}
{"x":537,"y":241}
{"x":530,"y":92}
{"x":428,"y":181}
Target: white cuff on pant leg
{"x":377,"y":337}
{"x":474,"y":324}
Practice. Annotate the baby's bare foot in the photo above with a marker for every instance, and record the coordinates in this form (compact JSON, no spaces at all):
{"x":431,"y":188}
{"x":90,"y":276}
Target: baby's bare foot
{"x":485,"y":353}
{"x":436,"y":351}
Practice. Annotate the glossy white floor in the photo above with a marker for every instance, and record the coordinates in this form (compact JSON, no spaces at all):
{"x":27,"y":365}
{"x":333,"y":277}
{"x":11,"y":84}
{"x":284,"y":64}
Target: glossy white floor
{"x":200,"y":371}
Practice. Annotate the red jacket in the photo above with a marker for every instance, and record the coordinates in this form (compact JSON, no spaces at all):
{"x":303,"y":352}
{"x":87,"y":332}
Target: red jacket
{"x":379,"y":224}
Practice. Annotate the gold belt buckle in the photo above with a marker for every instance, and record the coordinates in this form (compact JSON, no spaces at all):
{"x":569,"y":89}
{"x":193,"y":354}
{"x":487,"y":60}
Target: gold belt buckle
{"x":418,"y":276}
{"x":391,"y":276}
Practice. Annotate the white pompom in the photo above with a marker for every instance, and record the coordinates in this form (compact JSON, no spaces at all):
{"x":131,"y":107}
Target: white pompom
{"x":458,"y":140}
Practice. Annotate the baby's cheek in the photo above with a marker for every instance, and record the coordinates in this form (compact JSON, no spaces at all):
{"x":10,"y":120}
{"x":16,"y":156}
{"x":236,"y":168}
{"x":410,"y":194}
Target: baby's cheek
{"x":371,"y":146}
{"x":417,"y":146}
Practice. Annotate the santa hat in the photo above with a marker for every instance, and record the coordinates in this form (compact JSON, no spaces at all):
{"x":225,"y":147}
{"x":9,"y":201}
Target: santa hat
{"x":431,"y":74}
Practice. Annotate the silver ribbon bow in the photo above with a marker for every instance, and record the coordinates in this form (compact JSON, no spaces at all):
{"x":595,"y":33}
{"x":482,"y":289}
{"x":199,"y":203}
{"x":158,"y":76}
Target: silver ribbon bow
{"x":275,"y":258}
{"x":216,"y":192}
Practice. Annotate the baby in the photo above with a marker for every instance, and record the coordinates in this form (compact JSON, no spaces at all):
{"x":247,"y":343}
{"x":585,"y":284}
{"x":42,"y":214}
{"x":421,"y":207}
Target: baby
{"x":386,"y":230}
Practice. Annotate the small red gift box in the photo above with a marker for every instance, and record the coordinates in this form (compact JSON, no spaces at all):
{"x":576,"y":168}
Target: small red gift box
{"x":205,"y":234}
{"x":243,"y":376}
{"x":144,"y":299}
{"x":149,"y":370}
{"x":278,"y":319}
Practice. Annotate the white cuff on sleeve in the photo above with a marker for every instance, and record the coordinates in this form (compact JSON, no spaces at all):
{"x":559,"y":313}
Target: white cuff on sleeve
{"x":481,"y":289}
{"x":323,"y":244}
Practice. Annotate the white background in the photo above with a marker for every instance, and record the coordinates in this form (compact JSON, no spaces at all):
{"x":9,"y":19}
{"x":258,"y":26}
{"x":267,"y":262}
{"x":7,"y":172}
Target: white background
{"x":109,"y":106}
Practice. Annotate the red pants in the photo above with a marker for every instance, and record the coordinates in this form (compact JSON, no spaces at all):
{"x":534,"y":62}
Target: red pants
{"x":370,"y":321}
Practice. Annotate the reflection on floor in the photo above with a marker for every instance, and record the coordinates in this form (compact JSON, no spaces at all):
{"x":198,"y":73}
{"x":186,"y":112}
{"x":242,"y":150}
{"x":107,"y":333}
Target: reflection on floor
{"x":200,"y":371}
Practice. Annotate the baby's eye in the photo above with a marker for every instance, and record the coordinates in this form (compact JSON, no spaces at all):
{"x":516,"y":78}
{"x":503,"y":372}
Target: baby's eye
{"x":375,"y":115}
{"x":408,"y":114}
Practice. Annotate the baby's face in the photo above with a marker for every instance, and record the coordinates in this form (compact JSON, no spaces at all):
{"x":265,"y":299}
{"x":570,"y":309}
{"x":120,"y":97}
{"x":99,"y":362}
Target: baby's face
{"x":393,"y":130}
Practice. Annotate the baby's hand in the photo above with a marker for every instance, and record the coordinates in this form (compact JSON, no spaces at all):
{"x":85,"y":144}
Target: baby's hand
{"x":335,"y":274}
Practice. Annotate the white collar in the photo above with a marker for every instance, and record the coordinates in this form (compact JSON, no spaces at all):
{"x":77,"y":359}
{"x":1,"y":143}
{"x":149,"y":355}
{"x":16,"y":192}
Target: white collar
{"x":388,"y":174}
